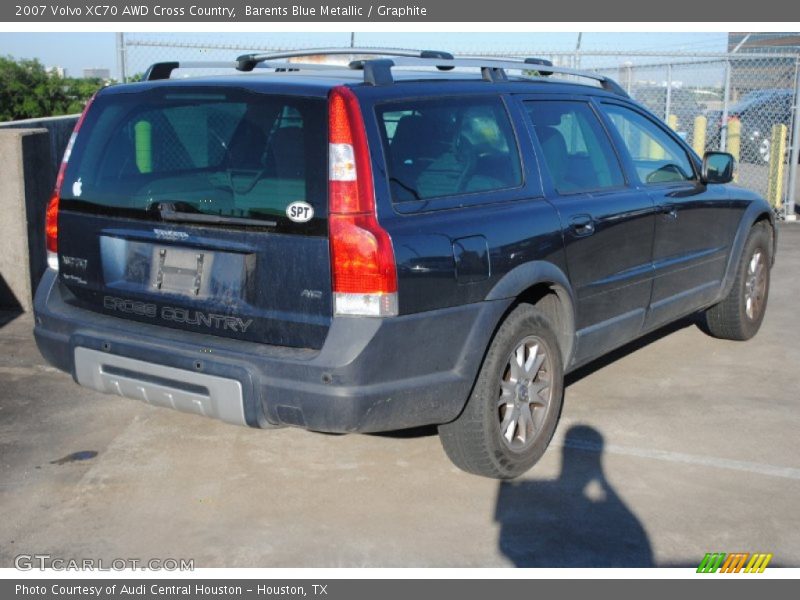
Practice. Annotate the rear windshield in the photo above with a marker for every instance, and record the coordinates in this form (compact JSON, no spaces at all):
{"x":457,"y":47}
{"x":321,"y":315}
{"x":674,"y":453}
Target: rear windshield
{"x":230,"y":153}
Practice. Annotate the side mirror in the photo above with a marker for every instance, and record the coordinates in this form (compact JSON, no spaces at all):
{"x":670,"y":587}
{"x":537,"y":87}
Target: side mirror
{"x":717,"y":167}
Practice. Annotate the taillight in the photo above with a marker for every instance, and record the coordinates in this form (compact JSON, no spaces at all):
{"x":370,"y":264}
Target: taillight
{"x":51,"y":214}
{"x":362,"y":258}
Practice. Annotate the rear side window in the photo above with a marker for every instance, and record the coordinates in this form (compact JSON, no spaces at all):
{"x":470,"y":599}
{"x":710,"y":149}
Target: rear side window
{"x":448,"y":146}
{"x":576,"y":149}
{"x":657,"y":157}
{"x":232,"y":153}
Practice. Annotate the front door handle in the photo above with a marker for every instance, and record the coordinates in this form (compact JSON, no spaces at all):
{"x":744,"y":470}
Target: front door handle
{"x":582,"y":225}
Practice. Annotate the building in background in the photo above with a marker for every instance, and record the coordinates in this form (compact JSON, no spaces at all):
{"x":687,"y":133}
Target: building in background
{"x":57,"y":71}
{"x":779,"y":43}
{"x":776,"y":74}
{"x":96,"y":73}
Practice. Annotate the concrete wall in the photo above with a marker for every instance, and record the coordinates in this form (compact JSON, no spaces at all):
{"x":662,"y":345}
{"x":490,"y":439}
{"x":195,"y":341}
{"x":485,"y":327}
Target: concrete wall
{"x":60,"y":129}
{"x":26,"y":181}
{"x":30,"y":156}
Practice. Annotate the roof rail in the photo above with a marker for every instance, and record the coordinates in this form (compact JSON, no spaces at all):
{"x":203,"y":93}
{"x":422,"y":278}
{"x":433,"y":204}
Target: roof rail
{"x":379,"y":72}
{"x":247,"y":62}
{"x":163,"y":70}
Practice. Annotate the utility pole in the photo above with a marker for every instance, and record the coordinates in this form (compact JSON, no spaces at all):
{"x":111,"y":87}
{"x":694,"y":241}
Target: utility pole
{"x":121,"y":66}
{"x":794,"y":155}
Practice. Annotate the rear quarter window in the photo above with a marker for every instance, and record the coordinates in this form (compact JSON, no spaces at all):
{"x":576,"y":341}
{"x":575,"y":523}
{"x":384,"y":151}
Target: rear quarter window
{"x":448,"y":146}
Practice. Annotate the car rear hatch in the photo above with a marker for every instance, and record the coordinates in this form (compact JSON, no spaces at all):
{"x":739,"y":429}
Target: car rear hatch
{"x":201,"y":207}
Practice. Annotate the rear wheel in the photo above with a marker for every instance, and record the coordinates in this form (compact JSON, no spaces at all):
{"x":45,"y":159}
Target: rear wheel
{"x":513,"y":410}
{"x":739,"y":315}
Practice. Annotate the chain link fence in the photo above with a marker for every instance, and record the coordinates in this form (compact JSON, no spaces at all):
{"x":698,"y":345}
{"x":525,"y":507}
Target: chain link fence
{"x":745,"y":104}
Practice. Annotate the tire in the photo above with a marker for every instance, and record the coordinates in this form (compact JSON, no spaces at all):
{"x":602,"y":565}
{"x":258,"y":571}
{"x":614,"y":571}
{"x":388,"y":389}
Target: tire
{"x":739,"y":315}
{"x":494,"y":436}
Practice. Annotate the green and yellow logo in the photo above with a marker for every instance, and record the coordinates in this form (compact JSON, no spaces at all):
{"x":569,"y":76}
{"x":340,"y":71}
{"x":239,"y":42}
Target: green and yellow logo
{"x":719,"y":562}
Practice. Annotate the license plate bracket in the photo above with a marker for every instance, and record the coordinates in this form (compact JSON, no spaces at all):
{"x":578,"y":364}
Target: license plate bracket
{"x":181,"y":270}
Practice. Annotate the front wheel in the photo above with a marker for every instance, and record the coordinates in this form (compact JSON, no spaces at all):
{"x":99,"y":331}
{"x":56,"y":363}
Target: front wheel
{"x":739,"y":315}
{"x":513,"y":410}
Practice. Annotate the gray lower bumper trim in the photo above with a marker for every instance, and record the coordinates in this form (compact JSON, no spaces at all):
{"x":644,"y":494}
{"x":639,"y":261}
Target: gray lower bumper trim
{"x":187,"y":391}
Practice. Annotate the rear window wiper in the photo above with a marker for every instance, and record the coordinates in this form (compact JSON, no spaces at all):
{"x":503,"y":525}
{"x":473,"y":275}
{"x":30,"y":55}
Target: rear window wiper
{"x":183,"y":212}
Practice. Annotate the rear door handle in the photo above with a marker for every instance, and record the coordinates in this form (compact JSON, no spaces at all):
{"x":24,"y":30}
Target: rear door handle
{"x":582,"y":225}
{"x":670,"y":212}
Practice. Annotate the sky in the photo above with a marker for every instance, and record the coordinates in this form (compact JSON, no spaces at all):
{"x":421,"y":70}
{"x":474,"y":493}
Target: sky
{"x":76,"y":51}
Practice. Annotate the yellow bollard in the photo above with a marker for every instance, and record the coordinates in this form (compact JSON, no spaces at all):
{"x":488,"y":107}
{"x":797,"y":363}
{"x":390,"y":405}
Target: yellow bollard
{"x":672,"y":121}
{"x":654,"y":150}
{"x":777,"y":150}
{"x":699,"y":135}
{"x":734,"y":144}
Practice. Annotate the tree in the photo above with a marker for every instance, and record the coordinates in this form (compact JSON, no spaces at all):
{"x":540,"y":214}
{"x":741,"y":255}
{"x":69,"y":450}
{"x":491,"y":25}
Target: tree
{"x":28,"y":91}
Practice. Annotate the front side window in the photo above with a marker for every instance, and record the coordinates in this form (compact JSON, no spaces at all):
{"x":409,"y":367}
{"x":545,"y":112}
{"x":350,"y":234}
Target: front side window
{"x":657,"y":157}
{"x":448,"y":146}
{"x":576,"y":150}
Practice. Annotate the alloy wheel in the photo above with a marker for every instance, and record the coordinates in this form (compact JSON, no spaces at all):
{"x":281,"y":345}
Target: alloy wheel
{"x":526,"y":393}
{"x":755,"y":285}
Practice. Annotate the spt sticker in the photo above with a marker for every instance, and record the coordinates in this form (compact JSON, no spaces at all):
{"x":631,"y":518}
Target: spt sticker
{"x":300,"y":212}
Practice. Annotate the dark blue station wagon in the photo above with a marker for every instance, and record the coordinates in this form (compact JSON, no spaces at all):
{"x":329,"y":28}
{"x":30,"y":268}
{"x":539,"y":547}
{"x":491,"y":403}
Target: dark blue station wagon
{"x":406,"y":240}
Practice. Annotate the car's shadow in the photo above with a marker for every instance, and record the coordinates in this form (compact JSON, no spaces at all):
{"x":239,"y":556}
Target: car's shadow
{"x":631,"y":347}
{"x":576,"y":519}
{"x":580,"y":373}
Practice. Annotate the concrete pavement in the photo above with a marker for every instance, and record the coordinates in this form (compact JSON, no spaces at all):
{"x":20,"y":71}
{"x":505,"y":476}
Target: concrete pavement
{"x":674,"y":447}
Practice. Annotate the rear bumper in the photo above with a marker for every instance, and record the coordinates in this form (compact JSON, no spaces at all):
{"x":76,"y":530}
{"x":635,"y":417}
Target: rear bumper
{"x":370,"y":375}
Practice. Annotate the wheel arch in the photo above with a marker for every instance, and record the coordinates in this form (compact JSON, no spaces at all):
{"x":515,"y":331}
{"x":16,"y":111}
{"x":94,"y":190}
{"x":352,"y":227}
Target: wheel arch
{"x":769,"y":218}
{"x":547,"y":287}
{"x":757,"y":212}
